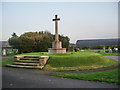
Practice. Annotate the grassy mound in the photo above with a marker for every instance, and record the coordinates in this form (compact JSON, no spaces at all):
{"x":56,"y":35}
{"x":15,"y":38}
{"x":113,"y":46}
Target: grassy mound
{"x":75,"y":61}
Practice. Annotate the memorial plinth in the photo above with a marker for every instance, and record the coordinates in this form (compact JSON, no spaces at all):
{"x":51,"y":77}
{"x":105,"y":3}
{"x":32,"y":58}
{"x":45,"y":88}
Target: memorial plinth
{"x":56,"y":48}
{"x":56,"y":45}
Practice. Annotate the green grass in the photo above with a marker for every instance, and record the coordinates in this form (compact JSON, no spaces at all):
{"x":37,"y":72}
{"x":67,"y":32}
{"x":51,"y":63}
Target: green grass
{"x":58,"y":55}
{"x":111,"y":54}
{"x":6,"y":61}
{"x":75,"y":61}
{"x":102,"y":53}
{"x":110,"y":76}
{"x":8,"y":55}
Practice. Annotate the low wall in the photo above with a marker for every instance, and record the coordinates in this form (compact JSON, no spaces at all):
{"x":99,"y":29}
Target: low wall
{"x":43,"y":60}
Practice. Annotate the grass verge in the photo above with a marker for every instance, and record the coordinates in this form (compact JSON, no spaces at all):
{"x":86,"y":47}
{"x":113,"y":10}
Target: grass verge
{"x":110,"y":76}
{"x":6,"y":61}
{"x":111,"y":54}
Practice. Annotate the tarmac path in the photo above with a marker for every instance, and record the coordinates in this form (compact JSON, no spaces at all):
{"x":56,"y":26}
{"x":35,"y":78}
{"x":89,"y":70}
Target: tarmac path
{"x":31,"y":78}
{"x":113,"y":57}
{"x":6,"y":57}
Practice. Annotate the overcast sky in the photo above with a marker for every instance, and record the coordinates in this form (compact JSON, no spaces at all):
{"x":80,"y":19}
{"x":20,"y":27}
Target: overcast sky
{"x":78,"y":20}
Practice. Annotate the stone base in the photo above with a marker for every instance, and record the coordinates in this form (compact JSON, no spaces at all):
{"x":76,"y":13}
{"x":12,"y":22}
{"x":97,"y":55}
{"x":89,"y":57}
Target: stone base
{"x":56,"y":50}
{"x":57,"y":44}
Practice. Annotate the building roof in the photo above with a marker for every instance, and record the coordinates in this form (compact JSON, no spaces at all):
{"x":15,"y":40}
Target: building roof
{"x":98,"y":42}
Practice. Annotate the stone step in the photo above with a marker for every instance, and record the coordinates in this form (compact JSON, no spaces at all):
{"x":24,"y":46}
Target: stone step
{"x":30,"y":59}
{"x":31,"y":56}
{"x":27,"y":61}
{"x":30,"y":67}
{"x":25,"y":64}
{"x":31,"y":62}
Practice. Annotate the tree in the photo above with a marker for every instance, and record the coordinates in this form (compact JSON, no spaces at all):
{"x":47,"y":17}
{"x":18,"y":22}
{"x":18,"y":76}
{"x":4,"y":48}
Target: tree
{"x":14,"y":35}
{"x":65,"y":41}
{"x":44,"y":42}
{"x":13,"y":41}
{"x":36,"y":41}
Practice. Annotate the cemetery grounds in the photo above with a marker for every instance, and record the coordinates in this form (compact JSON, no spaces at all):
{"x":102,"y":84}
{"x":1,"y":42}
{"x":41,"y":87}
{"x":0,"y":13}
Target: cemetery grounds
{"x":78,"y":61}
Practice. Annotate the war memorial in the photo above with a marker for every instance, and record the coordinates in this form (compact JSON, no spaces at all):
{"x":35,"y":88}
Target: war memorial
{"x":76,"y":65}
{"x":56,"y":45}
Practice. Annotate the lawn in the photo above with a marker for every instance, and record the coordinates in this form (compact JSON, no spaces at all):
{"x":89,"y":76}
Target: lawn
{"x":111,"y":54}
{"x":6,"y":61}
{"x":110,"y":76}
{"x":75,"y":61}
{"x":102,"y":53}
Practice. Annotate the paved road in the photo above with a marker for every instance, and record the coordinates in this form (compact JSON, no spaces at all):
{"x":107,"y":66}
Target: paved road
{"x":6,"y":57}
{"x":31,"y":78}
{"x":113,"y":57}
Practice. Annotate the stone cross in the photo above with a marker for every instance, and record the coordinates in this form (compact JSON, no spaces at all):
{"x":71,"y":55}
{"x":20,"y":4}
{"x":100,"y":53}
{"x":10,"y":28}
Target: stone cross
{"x":56,"y":28}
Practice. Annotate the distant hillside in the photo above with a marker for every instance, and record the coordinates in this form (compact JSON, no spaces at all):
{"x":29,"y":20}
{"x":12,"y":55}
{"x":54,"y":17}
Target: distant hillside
{"x":98,"y":42}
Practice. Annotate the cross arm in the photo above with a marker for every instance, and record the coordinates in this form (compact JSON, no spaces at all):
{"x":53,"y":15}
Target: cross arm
{"x":56,"y":19}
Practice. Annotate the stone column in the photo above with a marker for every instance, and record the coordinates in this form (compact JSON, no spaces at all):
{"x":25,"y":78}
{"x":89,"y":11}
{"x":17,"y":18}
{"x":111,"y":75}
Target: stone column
{"x":56,"y":29}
